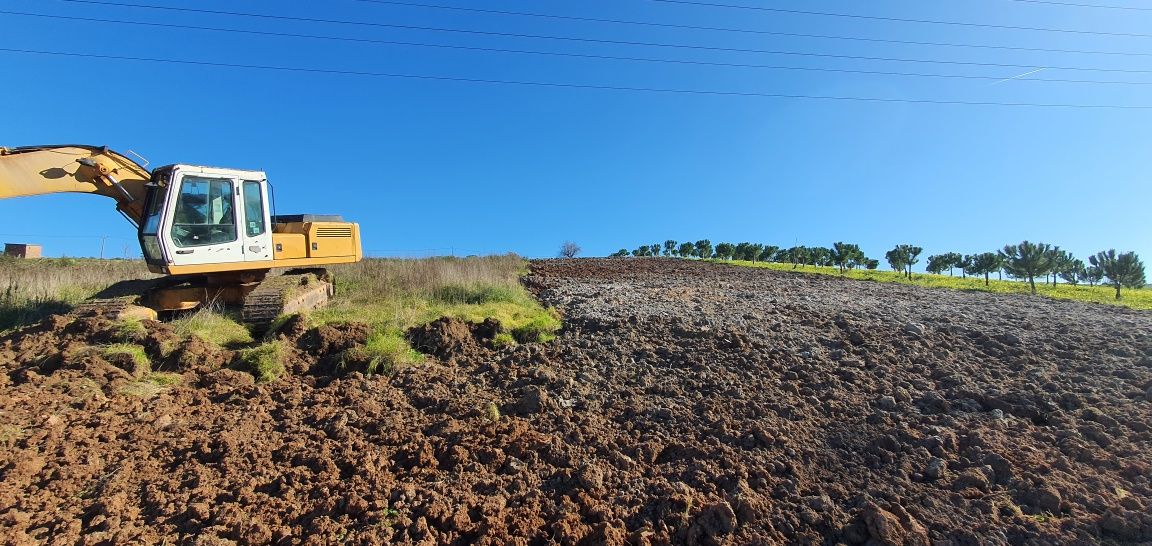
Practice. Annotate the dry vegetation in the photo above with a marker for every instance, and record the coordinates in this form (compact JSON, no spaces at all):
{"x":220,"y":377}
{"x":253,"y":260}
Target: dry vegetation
{"x":34,"y":289}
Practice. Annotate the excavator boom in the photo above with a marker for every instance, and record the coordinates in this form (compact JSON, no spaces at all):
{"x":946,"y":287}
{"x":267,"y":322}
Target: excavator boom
{"x":40,"y":170}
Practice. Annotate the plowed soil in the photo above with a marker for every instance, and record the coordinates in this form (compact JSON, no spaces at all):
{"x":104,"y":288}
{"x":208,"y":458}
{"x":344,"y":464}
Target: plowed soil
{"x":684,"y":403}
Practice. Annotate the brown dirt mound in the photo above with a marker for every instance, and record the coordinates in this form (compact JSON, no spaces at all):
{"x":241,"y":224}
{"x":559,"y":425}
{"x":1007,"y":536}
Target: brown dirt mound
{"x":448,"y":338}
{"x":686,"y":403}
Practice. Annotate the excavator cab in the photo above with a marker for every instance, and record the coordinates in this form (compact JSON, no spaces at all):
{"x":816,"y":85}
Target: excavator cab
{"x":195,"y":216}
{"x":203,"y":220}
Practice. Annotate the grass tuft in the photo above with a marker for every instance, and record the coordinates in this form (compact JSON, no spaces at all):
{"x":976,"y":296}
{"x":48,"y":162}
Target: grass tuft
{"x":503,"y":339}
{"x":214,"y":326}
{"x":384,"y":353}
{"x":264,"y":361}
{"x":131,"y":330}
{"x":140,"y":362}
{"x":151,"y":385}
{"x":539,"y":328}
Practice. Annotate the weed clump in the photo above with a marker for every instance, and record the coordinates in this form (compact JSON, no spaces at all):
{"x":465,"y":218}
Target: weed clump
{"x":502,"y":340}
{"x":213,"y":326}
{"x":131,"y":330}
{"x":383,"y":353}
{"x":540,"y":328}
{"x":151,"y":385}
{"x":265,"y":361}
{"x":131,"y":357}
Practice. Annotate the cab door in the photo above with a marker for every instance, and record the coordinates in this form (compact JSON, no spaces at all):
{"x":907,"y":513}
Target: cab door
{"x":203,"y":226}
{"x":256,"y":225}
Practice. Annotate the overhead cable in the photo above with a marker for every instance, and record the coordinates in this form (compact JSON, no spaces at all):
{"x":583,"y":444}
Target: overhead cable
{"x":570,"y":55}
{"x":901,"y":19}
{"x":748,"y":31}
{"x":616,"y":42}
{"x":562,"y":85}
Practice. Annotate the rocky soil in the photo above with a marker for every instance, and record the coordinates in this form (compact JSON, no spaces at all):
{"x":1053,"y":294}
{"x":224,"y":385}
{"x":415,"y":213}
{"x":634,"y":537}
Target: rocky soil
{"x":685,"y":403}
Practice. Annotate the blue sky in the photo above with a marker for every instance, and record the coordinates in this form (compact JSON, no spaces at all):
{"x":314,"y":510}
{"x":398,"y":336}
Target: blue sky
{"x":435,"y":167}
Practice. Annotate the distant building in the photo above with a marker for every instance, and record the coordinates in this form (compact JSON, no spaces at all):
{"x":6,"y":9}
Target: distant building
{"x":20,"y":250}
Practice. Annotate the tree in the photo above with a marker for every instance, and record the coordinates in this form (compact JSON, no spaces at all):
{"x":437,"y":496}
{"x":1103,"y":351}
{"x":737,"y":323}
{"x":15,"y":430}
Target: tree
{"x":937,"y":263}
{"x":620,"y":253}
{"x":704,"y":249}
{"x":654,"y":250}
{"x":965,"y":265}
{"x":798,"y":255}
{"x":748,"y":252}
{"x":1062,"y":260}
{"x":895,"y":259}
{"x":687,"y":250}
{"x":768,"y":253}
{"x":984,"y":264}
{"x":952,"y":260}
{"x":1093,"y":274}
{"x":820,"y":256}
{"x":871,"y":264}
{"x":724,"y":251}
{"x":845,"y":255}
{"x":642,"y":250}
{"x":904,"y":256}
{"x":1073,"y":271}
{"x":1027,"y":261}
{"x":569,"y":249}
{"x":782,"y":256}
{"x":1122,"y":270}
{"x":669,"y":247}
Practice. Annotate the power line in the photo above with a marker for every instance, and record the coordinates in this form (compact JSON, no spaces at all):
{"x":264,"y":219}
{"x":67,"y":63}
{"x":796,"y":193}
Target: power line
{"x":577,"y":85}
{"x":572,"y":55}
{"x":900,"y":19}
{"x":1076,"y":5}
{"x":605,"y":41}
{"x":750,"y":31}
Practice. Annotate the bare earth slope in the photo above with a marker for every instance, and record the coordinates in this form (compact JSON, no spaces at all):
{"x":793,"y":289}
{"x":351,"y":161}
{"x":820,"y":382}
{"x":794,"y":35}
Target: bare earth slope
{"x":685,"y":403}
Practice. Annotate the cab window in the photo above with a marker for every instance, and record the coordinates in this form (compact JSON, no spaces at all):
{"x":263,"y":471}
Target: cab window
{"x":253,"y":209}
{"x":204,"y":212}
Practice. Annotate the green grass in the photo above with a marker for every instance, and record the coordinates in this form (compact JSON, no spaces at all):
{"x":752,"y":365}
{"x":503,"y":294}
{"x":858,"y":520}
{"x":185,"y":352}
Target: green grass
{"x":131,"y":329}
{"x":1135,"y":299}
{"x":384,"y":353}
{"x":264,"y":361}
{"x":141,"y":364}
{"x":213,"y":326}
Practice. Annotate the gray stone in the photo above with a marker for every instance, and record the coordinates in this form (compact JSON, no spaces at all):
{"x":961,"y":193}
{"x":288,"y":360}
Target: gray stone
{"x":936,"y":468}
{"x":888,"y":403}
{"x":914,"y":328}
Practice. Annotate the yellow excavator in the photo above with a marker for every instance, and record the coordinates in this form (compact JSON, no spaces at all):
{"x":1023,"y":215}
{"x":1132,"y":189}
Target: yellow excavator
{"x":209,"y":230}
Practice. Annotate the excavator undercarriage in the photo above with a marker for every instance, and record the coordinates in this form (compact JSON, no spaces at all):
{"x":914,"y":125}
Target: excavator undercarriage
{"x":259,"y":296}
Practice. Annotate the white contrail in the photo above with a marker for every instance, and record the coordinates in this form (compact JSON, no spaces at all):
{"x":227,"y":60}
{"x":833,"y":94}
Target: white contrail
{"x":1019,"y":76}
